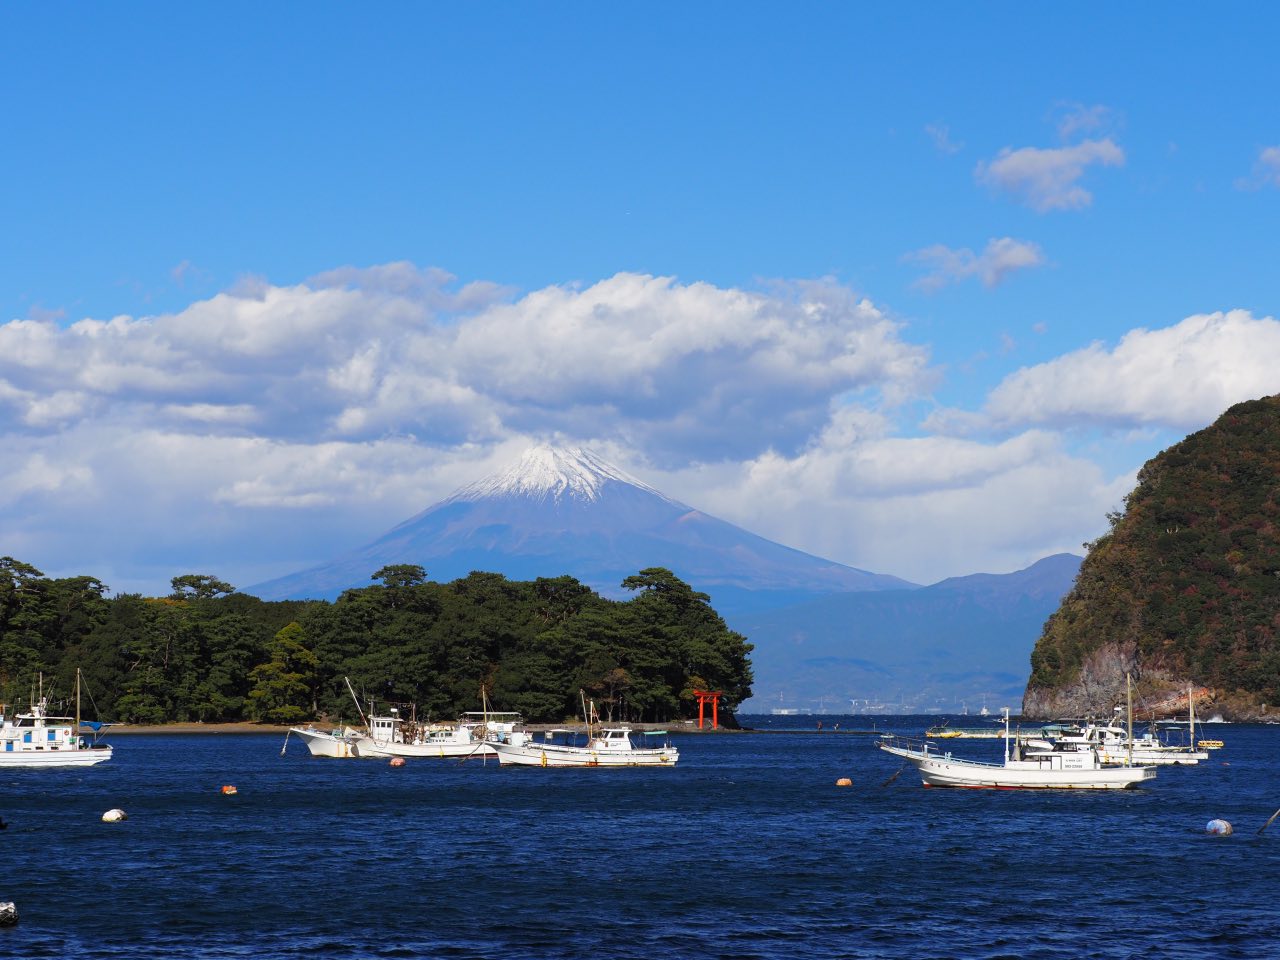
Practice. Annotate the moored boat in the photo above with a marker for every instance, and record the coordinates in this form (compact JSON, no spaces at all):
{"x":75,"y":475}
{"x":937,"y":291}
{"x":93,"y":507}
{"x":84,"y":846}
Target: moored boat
{"x":37,"y":739}
{"x":596,"y":746}
{"x":1023,"y":768}
{"x":338,"y":743}
{"x":603,"y":747}
{"x":472,"y":736}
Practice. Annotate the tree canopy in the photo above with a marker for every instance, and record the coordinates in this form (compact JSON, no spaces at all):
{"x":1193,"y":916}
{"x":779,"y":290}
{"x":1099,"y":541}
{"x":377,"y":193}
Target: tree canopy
{"x":207,"y":653}
{"x":1187,"y":580}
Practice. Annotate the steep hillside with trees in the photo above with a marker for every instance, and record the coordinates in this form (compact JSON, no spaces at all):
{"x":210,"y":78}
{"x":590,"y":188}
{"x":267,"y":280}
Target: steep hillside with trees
{"x":1185,"y":588}
{"x":207,"y":653}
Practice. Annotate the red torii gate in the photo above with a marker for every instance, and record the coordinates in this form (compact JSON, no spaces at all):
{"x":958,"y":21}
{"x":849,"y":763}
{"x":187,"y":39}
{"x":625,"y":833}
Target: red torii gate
{"x":712,"y":697}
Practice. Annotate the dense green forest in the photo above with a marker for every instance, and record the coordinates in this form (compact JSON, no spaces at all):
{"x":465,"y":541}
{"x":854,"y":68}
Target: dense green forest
{"x":1185,"y":587}
{"x":207,"y":653}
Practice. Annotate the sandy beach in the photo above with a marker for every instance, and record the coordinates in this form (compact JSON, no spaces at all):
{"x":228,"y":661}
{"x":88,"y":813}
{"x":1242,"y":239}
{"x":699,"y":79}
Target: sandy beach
{"x":158,"y":728}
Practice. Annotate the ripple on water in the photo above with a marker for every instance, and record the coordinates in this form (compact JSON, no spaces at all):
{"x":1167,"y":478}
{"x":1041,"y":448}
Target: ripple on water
{"x":746,"y":850}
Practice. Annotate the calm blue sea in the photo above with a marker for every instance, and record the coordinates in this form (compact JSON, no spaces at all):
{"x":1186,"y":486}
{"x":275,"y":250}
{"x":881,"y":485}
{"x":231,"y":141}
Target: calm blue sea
{"x":746,"y":849}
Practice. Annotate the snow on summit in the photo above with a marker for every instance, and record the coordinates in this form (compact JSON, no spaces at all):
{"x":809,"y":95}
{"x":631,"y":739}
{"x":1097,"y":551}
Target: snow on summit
{"x":548,"y":472}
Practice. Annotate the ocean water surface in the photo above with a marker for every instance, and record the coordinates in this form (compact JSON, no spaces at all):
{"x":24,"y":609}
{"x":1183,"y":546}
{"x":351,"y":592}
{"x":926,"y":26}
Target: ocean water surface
{"x":747,"y":849}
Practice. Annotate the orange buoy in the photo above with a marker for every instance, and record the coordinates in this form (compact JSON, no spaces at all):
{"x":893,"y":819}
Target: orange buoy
{"x":228,"y":789}
{"x":397,"y":761}
{"x":844,"y":782}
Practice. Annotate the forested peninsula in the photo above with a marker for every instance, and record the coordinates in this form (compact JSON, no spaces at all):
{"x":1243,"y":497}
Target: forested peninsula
{"x":206,"y":653}
{"x":1184,"y":590}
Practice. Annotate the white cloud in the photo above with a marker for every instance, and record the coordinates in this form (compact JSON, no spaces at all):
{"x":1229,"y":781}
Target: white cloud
{"x":267,"y":429}
{"x":313,"y":416}
{"x":1076,"y":118}
{"x":34,"y":473}
{"x":1266,"y":170}
{"x":921,"y":508}
{"x":358,"y":354}
{"x":1001,"y":257}
{"x":940,"y":134}
{"x":1181,"y":377}
{"x":1047,"y":179}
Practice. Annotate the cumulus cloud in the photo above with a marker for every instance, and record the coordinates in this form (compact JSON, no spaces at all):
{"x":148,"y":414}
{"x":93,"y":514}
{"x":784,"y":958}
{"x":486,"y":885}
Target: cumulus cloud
{"x":1266,"y":170}
{"x":269,"y":428}
{"x":313,"y":416}
{"x":1048,"y":179}
{"x":1180,"y":377}
{"x":356,"y":354}
{"x":923,"y":508}
{"x":1000,"y":258}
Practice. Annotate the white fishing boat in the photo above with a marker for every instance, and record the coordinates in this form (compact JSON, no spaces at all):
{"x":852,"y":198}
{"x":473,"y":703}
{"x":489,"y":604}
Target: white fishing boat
{"x":597,"y":746}
{"x":603,"y":747}
{"x":1024,"y":767}
{"x":472,"y":736}
{"x":392,"y":735}
{"x":36,"y":739}
{"x":1114,"y":745}
{"x":338,"y":742}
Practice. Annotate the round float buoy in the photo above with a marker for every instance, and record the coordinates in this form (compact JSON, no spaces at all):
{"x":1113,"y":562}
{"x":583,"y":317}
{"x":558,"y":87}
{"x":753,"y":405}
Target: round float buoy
{"x":8,"y":914}
{"x":397,"y":761}
{"x":1218,"y":828}
{"x":844,"y":782}
{"x":114,"y":816}
{"x":229,"y":790}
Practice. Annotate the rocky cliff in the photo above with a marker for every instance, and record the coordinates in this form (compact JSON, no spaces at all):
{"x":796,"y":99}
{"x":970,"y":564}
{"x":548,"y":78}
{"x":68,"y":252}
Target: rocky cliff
{"x":1184,"y":590}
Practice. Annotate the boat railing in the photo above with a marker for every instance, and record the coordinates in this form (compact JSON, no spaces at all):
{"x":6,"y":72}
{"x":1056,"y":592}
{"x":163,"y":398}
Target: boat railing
{"x":923,"y":748}
{"x":911,"y":744}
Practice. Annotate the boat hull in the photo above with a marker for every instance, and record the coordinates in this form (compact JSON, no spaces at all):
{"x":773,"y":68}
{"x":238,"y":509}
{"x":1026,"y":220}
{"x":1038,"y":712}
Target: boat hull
{"x":322,"y":744}
{"x":555,"y":755}
{"x":1150,"y":757}
{"x":1065,"y":773}
{"x":83,"y":757}
{"x":367,"y":747}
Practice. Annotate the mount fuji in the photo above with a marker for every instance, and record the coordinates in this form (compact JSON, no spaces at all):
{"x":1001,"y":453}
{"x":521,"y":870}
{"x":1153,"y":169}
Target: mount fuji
{"x":565,"y":511}
{"x":823,"y":632}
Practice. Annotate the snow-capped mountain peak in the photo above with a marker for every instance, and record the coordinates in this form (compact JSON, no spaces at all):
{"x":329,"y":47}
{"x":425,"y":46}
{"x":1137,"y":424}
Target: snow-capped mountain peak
{"x":550,"y":472}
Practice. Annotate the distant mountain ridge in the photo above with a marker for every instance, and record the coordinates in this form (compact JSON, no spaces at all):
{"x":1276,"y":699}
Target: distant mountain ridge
{"x":908,"y":651}
{"x":566,"y":511}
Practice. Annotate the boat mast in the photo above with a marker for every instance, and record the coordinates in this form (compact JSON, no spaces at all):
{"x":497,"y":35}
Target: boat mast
{"x":77,"y":730}
{"x":1191,"y":715}
{"x":1128,"y":695}
{"x":357,"y":703}
{"x":1005,"y":711}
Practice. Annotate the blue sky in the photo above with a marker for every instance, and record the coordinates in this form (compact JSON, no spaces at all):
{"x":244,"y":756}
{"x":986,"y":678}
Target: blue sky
{"x":981,"y":203}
